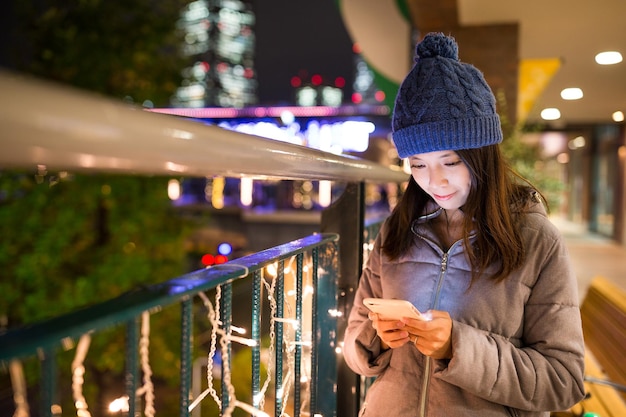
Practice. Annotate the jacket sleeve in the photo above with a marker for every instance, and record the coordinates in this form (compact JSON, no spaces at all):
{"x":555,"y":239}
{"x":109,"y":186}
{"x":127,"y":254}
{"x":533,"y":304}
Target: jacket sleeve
{"x":362,"y":350}
{"x":544,"y":371}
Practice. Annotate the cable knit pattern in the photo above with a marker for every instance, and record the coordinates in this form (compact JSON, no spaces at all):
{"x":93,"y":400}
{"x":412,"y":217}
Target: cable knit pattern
{"x":454,"y":91}
{"x":443,"y":103}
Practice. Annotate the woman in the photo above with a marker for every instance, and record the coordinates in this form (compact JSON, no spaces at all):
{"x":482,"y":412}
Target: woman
{"x":473,"y":247}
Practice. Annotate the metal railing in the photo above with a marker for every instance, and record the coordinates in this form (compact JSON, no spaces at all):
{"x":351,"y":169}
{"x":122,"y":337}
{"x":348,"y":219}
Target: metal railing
{"x":60,"y":128}
{"x":46,"y":338}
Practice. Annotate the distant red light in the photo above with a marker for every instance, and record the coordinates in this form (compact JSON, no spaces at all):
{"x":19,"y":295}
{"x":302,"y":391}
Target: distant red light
{"x":379,"y":95}
{"x":357,"y":98}
{"x":356,"y":48}
{"x":296,"y":81}
{"x":316,"y":79}
{"x":208,"y":259}
{"x":340,"y":82}
{"x":220,"y":259}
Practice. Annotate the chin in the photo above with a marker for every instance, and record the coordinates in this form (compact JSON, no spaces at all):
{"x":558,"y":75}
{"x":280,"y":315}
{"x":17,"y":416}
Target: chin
{"x":449,"y":205}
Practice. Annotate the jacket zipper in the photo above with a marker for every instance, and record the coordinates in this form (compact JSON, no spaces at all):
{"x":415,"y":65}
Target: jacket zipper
{"x":512,"y":412}
{"x":444,"y":266}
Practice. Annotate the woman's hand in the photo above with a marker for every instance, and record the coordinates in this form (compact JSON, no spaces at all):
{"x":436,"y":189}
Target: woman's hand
{"x":391,"y":332}
{"x":431,"y":337}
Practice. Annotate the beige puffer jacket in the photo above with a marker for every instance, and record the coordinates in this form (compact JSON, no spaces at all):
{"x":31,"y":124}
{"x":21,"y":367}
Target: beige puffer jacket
{"x":517,"y":345}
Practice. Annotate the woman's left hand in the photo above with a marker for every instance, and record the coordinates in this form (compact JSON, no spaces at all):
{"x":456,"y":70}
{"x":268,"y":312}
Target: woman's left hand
{"x":431,"y":337}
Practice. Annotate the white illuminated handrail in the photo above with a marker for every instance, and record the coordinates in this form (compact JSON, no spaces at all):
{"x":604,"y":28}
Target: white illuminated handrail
{"x":62,"y":128}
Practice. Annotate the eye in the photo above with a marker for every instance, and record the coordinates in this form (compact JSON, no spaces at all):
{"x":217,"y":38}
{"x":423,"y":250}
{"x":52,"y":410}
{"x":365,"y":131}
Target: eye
{"x":417,"y":166}
{"x":455,"y":163}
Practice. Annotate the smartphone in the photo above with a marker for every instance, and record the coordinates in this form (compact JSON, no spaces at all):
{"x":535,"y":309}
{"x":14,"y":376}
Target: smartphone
{"x":393,"y":309}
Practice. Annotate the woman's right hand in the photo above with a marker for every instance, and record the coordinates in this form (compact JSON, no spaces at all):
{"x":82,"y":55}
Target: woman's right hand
{"x":391,"y":332}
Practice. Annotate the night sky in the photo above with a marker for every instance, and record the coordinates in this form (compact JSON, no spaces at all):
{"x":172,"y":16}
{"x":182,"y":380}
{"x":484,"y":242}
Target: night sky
{"x":296,"y":35}
{"x":293,"y":37}
{"x":6,"y":30}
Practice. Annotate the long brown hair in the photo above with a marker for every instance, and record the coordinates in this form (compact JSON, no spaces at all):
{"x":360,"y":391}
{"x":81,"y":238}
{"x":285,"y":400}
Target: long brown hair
{"x":493,"y":209}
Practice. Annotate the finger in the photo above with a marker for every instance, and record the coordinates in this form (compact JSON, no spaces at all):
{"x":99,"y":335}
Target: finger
{"x":390,"y":325}
{"x":416,"y":323}
{"x":419,"y":328}
{"x":395,"y":339}
{"x":376,"y":317}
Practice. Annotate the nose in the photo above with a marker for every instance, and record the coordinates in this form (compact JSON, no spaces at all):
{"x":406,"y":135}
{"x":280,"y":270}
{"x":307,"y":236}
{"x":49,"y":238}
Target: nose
{"x":438,"y":178}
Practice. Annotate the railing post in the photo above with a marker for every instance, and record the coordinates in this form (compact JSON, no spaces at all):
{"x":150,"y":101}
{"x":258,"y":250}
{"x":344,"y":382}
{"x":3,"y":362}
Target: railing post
{"x":132,"y":354}
{"x":279,"y":393}
{"x":346,"y":217}
{"x":48,"y":383}
{"x":298,"y":335}
{"x":185,"y":354}
{"x":256,"y":336}
{"x":323,"y":351}
{"x":226,"y":316}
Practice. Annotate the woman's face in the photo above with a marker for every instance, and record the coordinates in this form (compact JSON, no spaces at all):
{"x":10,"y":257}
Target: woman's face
{"x":444,"y":176}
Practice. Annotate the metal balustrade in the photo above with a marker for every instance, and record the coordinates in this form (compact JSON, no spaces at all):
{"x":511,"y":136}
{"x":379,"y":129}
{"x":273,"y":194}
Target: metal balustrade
{"x":46,"y":338}
{"x":61,"y":128}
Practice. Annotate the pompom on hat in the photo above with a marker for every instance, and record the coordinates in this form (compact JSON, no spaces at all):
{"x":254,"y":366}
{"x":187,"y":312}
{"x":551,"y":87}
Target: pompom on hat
{"x":443,"y":103}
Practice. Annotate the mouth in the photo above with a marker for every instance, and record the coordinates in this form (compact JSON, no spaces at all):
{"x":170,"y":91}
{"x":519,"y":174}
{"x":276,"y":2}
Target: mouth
{"x":443,"y":197}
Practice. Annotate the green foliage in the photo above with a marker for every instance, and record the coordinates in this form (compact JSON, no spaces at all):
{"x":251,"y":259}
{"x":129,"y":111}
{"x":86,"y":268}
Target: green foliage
{"x":80,"y":239}
{"x":91,"y":237}
{"x":76,"y":240}
{"x":115,"y":47}
{"x":73,"y":242}
{"x":526,"y":158}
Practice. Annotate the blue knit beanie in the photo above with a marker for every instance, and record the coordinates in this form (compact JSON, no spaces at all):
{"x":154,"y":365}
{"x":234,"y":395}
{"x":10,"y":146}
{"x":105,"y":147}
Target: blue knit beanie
{"x":443,"y":103}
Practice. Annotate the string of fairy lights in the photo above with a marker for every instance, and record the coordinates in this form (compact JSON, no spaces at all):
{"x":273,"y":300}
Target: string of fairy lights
{"x":223,"y":337}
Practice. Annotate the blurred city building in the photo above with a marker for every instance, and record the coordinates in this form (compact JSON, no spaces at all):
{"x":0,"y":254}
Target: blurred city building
{"x":219,"y":36}
{"x":355,"y":130}
{"x":586,"y":158}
